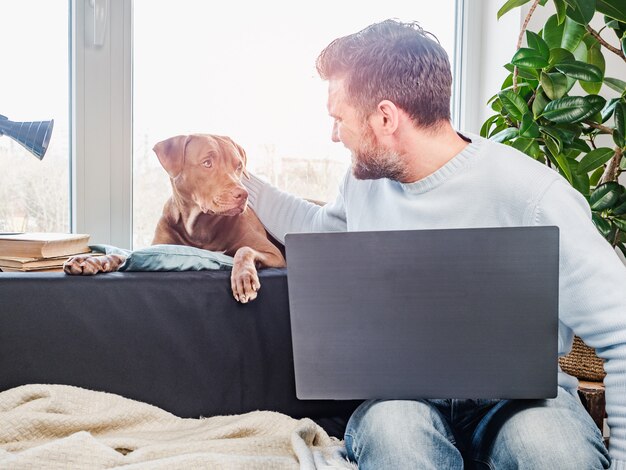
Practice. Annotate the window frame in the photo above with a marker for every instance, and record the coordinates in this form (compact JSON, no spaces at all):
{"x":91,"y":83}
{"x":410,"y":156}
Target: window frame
{"x":101,"y":108}
{"x":101,"y":95}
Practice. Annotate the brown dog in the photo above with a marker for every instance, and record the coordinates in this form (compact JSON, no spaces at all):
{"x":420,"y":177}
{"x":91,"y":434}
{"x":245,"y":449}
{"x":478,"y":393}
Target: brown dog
{"x":207,"y":209}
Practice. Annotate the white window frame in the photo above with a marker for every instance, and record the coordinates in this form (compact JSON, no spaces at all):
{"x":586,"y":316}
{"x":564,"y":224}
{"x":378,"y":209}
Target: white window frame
{"x":101,"y":94}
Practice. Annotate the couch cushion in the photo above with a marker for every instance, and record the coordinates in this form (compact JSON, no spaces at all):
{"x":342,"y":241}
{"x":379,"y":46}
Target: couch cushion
{"x":168,"y":258}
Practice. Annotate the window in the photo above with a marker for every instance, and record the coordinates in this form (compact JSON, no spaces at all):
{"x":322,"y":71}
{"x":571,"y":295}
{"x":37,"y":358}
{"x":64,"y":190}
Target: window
{"x":34,"y":194}
{"x":247,"y":70}
{"x":243,"y":69}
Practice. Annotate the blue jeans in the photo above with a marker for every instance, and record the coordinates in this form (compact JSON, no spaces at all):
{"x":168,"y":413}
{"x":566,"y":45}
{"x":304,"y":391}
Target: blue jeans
{"x":482,"y":434}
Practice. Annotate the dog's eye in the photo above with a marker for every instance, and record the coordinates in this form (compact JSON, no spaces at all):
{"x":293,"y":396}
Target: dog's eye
{"x":207,"y":163}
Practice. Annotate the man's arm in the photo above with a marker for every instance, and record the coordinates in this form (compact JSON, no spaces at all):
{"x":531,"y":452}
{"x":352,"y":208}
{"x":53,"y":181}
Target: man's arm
{"x":281,"y":212}
{"x":592,"y":300}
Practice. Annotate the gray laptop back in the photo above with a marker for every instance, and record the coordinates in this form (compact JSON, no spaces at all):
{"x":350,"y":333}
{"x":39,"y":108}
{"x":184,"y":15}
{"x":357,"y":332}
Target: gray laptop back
{"x":459,"y":313}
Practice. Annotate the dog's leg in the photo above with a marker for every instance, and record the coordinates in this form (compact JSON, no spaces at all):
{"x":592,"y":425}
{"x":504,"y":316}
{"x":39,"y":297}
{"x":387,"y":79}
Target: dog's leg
{"x":244,"y":279}
{"x":89,"y":264}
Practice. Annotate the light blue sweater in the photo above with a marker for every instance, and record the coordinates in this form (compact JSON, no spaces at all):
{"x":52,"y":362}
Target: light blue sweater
{"x":492,"y":185}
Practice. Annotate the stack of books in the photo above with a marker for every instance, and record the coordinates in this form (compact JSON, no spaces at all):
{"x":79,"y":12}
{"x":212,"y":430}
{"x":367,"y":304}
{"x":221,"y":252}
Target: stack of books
{"x":39,"y":251}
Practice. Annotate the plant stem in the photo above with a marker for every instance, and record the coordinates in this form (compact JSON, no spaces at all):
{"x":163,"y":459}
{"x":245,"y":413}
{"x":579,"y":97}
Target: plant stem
{"x":604,"y":129}
{"x":613,"y":49}
{"x":521,"y":38}
{"x":532,"y":98}
{"x":612,"y":169}
{"x":615,"y":239}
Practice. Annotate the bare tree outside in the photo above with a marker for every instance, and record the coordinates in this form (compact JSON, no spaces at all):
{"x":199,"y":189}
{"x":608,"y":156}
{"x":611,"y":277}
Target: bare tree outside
{"x":34,"y":194}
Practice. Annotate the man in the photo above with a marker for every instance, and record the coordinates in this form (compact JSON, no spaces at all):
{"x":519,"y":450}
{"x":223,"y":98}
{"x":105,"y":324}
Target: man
{"x":389,"y":95}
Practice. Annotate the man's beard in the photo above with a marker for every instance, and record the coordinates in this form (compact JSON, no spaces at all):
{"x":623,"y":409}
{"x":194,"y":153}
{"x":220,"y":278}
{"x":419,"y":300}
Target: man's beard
{"x":371,"y":161}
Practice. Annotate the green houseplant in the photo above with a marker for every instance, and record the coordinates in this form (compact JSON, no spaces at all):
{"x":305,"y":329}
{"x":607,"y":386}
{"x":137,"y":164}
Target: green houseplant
{"x":541,"y":111}
{"x":573,"y":129}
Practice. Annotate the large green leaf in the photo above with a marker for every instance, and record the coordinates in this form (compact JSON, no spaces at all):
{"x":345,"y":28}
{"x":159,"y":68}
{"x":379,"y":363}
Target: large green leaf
{"x":553,"y":145}
{"x":558,"y":55}
{"x":581,"y":11}
{"x":530,"y":58}
{"x":571,"y":109}
{"x":596,"y":58}
{"x":554,"y":84}
{"x":603,"y":225}
{"x":620,"y":206}
{"x":580,"y":53}
{"x":505,"y":135}
{"x":509,"y":5}
{"x":564,"y":132}
{"x":619,"y":116}
{"x":486,"y":127}
{"x":566,"y":109}
{"x":616,"y":84}
{"x":613,"y":8}
{"x":597,"y":103}
{"x":524,"y":72}
{"x":572,"y":153}
{"x":620,"y":224}
{"x":514,"y":104}
{"x":566,"y":35}
{"x":523,"y":144}
{"x":528,"y":127}
{"x":580,"y":145}
{"x":508,"y":82}
{"x":580,"y":180}
{"x":561,"y":8}
{"x":594,"y":159}
{"x":605,"y":196}
{"x":581,"y":71}
{"x":537,"y":43}
{"x":595,"y":176}
{"x":564,"y":167}
{"x":539,"y":103}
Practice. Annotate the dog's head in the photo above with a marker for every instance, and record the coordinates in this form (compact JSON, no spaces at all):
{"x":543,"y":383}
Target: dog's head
{"x":206,"y":170}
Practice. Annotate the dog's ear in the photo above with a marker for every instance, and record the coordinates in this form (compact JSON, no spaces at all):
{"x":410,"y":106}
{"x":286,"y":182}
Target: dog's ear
{"x":244,"y":157}
{"x":171,"y":153}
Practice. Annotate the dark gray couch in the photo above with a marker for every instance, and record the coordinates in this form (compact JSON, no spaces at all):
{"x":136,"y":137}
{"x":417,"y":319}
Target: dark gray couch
{"x":175,"y":340}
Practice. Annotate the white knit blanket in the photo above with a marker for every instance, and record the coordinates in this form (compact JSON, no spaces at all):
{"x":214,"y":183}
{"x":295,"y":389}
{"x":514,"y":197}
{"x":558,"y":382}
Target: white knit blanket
{"x":64,"y":427}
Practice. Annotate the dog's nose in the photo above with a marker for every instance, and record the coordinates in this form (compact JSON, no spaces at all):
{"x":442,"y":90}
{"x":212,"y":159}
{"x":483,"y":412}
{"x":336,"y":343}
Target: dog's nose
{"x":240,"y":193}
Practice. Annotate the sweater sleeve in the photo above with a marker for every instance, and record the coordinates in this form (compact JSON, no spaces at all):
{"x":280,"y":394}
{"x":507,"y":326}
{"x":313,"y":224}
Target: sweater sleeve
{"x":592,"y":297}
{"x":282,"y":213}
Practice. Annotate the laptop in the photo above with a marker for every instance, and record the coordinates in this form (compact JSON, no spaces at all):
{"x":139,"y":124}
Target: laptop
{"x":453,"y":313}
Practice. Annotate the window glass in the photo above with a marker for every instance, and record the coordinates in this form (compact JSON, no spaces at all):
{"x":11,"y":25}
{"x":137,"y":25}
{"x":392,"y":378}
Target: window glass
{"x":34,"y":194}
{"x":247,"y":70}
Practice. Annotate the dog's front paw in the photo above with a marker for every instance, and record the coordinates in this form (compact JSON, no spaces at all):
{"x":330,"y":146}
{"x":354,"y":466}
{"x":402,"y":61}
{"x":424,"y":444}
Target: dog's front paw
{"x":88,"y":265}
{"x":244,"y":281}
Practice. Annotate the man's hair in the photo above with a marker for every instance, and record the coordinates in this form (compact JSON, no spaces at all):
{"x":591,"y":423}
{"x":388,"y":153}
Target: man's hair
{"x":395,"y":61}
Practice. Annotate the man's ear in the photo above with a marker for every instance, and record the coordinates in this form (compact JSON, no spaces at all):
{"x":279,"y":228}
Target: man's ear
{"x":385,"y":119}
{"x":171,"y":153}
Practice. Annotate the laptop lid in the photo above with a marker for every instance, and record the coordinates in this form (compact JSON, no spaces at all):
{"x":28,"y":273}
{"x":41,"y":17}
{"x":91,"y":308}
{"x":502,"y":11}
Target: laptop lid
{"x":454,"y":313}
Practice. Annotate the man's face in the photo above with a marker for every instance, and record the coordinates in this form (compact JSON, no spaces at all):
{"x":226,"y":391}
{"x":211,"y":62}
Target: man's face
{"x":370,"y":160}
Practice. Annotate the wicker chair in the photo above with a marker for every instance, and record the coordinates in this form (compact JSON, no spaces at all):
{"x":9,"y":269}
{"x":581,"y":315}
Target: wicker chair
{"x":583,"y":363}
